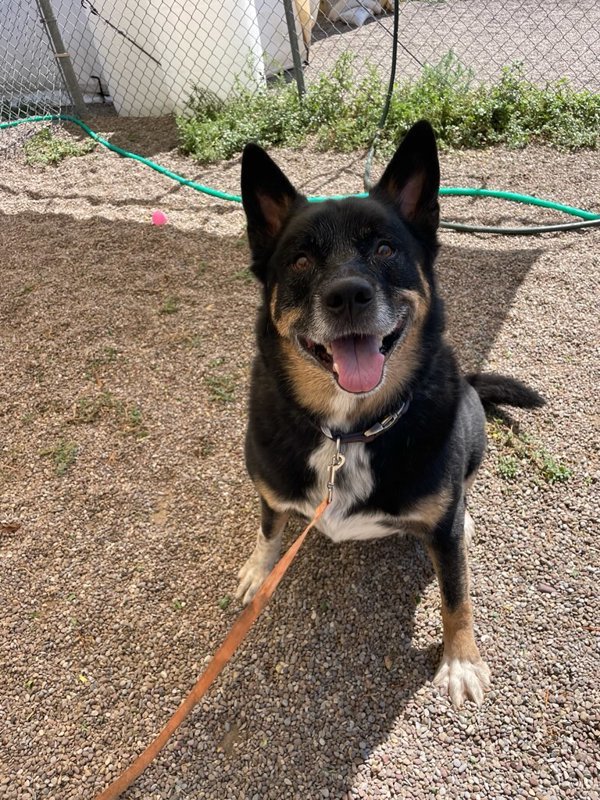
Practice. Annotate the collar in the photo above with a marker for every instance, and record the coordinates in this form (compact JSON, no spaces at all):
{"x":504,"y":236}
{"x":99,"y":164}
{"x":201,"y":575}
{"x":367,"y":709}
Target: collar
{"x":371,"y":433}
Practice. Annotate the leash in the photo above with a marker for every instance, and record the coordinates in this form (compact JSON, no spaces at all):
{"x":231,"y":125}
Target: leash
{"x":234,"y":638}
{"x":250,"y":614}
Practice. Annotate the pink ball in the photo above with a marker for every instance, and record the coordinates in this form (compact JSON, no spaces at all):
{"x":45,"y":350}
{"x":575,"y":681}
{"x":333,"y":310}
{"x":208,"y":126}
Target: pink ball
{"x":159,"y":218}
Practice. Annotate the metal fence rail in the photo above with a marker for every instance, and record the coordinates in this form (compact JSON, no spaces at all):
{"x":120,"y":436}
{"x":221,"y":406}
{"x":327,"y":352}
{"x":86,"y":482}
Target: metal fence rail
{"x":145,"y":57}
{"x":28,"y":85}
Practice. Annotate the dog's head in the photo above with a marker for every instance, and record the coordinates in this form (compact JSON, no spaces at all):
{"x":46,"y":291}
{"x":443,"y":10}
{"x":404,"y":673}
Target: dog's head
{"x":348,"y":283}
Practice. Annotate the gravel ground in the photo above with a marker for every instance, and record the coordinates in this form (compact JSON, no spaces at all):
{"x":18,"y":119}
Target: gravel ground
{"x":554,"y":39}
{"x":125,"y":511}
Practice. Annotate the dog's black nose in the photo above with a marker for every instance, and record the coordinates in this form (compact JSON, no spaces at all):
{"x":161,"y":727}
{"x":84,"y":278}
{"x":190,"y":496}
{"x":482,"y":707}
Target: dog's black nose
{"x":348,"y":296}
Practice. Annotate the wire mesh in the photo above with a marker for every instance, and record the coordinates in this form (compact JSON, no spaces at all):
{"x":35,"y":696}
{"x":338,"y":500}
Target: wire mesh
{"x":551,"y":40}
{"x":147,"y":57}
{"x":30,"y":79}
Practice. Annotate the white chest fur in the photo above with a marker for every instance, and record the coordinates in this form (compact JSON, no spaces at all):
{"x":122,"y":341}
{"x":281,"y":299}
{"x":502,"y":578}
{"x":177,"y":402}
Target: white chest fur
{"x":354,"y":483}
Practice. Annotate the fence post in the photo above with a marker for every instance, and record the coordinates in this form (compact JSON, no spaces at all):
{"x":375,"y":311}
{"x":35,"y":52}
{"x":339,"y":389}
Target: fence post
{"x":296,"y":57}
{"x":62,"y":57}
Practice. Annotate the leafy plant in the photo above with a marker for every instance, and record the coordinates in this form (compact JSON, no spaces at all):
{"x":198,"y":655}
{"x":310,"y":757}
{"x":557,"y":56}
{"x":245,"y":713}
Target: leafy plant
{"x":221,"y":387}
{"x":44,"y":148}
{"x":170,"y":305}
{"x":341,"y":112}
{"x":63,"y":455}
{"x":508,"y":467}
{"x":128,"y":418}
{"x":518,"y":452}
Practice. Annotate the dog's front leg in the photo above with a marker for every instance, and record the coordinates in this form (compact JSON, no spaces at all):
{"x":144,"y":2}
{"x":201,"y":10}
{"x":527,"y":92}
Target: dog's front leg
{"x":462,"y":673}
{"x":265,"y":554}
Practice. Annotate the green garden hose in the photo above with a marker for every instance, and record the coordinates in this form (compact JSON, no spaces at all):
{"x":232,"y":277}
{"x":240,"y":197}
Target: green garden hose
{"x":588,"y":218}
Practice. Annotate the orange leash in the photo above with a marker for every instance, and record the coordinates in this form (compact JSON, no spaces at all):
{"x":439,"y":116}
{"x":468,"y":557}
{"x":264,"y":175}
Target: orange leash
{"x":234,"y":638}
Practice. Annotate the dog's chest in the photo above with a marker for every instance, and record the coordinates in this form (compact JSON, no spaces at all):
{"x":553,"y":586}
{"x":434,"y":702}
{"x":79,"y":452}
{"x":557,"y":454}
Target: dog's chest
{"x":354,"y":484}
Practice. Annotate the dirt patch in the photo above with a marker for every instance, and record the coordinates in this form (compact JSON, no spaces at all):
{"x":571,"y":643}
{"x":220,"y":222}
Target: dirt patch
{"x":125,"y":511}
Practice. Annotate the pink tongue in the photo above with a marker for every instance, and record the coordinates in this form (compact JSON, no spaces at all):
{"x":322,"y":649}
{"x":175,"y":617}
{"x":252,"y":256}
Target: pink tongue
{"x":358,"y":361}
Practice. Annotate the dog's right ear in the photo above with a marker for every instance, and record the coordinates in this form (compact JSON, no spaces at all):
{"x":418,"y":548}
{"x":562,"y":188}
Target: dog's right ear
{"x":268,"y":199}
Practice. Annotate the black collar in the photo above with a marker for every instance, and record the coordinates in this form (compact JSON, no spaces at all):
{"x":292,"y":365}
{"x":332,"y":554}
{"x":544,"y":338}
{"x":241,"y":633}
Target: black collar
{"x":371,"y":433}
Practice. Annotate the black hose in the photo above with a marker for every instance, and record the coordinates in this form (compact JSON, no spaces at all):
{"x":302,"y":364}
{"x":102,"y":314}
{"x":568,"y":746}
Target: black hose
{"x":455,"y":226}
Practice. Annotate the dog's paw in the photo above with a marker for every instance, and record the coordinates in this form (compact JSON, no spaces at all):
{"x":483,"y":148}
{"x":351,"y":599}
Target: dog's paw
{"x":462,"y":679}
{"x":253,"y":574}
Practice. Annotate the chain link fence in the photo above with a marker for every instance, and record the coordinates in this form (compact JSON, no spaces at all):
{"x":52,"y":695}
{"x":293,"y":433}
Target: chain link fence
{"x":30,"y":79}
{"x":146,"y":57}
{"x":553,"y":39}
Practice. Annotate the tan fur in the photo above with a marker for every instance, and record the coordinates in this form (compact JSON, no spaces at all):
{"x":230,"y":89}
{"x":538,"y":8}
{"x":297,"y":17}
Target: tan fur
{"x":459,"y":641}
{"x":424,"y":284}
{"x":268,"y":495}
{"x":283,"y":321}
{"x":402,"y":363}
{"x":312,"y":385}
{"x":274,"y":212}
{"x":468,"y":484}
{"x":315,"y":389}
{"x":428,"y":511}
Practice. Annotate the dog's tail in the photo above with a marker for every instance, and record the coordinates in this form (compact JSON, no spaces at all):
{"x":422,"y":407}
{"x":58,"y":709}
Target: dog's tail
{"x":494,"y":389}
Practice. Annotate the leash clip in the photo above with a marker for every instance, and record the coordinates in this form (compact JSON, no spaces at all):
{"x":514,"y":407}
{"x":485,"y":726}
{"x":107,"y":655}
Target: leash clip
{"x":337,"y":462}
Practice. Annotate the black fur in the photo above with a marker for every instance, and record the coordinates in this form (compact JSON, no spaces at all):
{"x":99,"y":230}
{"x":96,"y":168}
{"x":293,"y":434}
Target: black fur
{"x":494,"y":389}
{"x":383,"y":248}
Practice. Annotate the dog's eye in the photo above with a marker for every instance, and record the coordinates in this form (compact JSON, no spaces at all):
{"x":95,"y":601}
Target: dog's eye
{"x":384,"y":250}
{"x":301,"y":262}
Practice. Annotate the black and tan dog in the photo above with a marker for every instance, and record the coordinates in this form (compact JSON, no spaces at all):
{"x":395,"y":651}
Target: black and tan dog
{"x":352,"y":358}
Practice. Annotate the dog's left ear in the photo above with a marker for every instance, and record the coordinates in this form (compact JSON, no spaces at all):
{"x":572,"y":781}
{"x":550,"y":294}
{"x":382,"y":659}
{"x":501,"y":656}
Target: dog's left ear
{"x":411,"y":181}
{"x":268,"y":198}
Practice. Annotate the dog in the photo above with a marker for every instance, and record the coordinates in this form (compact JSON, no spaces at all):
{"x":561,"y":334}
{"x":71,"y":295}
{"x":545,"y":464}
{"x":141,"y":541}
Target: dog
{"x":352,"y":366}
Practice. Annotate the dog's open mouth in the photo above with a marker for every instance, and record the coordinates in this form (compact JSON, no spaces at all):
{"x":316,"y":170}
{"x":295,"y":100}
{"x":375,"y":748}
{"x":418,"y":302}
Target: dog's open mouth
{"x":356,"y":361}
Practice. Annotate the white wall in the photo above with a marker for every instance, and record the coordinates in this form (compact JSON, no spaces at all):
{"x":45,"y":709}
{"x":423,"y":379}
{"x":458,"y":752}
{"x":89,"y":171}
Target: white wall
{"x":26,"y":61}
{"x":210,"y":43}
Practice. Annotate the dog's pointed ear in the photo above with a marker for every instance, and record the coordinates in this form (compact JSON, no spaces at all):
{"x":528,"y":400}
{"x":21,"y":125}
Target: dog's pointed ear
{"x":411,"y":180}
{"x":268,"y":198}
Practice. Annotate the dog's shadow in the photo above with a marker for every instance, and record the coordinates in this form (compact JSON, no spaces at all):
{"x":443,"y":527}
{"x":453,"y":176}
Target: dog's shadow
{"x":342,"y":651}
{"x":479,"y":286}
{"x":329,"y":669}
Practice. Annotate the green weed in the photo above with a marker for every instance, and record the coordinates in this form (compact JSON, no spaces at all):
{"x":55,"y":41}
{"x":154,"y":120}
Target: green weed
{"x":134,"y":422}
{"x":508,"y":467}
{"x":340,"y":112}
{"x":128,"y":418}
{"x":518,"y":451}
{"x":194,"y":341}
{"x":221,"y":387}
{"x":108,"y":355}
{"x":45,"y":149}
{"x":170,"y":305}
{"x":88,"y":409}
{"x":63,"y":455}
{"x":552,"y":471}
{"x":244,"y":275}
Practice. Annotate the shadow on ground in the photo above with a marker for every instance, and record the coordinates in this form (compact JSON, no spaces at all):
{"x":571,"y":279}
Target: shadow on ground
{"x":146,"y":137}
{"x":479,"y":286}
{"x":336,"y":644}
